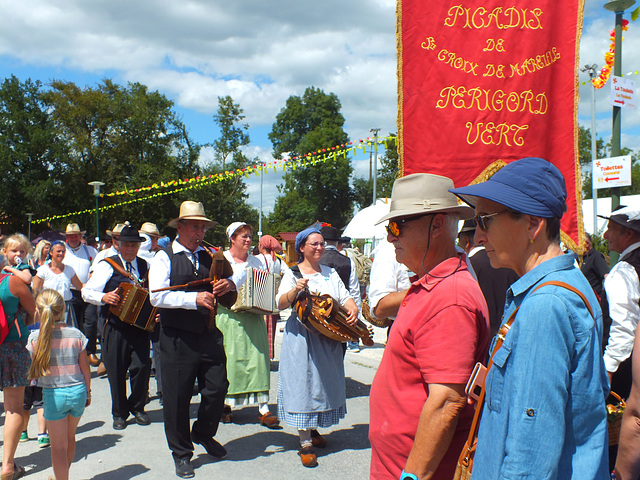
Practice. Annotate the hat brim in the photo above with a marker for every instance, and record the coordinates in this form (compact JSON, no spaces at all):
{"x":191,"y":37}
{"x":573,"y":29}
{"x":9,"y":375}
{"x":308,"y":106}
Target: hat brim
{"x":82,"y":232}
{"x":500,"y":193}
{"x":149,"y":234}
{"x":174,"y":223}
{"x":462,"y":210}
{"x":624,"y":223}
{"x":131,"y":239}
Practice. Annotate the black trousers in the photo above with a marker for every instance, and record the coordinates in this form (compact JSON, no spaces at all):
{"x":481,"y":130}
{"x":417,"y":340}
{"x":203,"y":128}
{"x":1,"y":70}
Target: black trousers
{"x":79,"y":306}
{"x":91,"y":327}
{"x":185,"y":357}
{"x":126,"y":348}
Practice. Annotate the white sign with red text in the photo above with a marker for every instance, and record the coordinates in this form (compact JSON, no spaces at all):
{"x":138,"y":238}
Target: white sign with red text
{"x":612,"y":172}
{"x":623,"y":92}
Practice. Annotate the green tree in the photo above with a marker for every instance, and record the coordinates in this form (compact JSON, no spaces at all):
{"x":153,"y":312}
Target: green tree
{"x":127,"y":137}
{"x":387,"y":173}
{"x":227,"y":200}
{"x":30,"y":154}
{"x":322,"y":191}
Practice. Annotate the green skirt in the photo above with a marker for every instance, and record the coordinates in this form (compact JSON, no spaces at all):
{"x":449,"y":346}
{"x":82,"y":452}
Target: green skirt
{"x":247,"y":348}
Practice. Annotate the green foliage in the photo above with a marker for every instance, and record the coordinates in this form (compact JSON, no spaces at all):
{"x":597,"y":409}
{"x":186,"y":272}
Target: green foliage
{"x":600,"y":244}
{"x":232,"y":135}
{"x":322,"y":192}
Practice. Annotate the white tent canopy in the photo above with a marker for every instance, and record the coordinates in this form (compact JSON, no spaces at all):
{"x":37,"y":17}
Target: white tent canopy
{"x":362,"y":225}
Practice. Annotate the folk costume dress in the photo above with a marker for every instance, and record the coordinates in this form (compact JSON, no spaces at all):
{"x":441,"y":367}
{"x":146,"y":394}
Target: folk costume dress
{"x":311,"y":383}
{"x":247,"y":348}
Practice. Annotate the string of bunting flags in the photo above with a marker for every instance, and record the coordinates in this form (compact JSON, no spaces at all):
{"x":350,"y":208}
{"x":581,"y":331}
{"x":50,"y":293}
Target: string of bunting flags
{"x":304,"y":161}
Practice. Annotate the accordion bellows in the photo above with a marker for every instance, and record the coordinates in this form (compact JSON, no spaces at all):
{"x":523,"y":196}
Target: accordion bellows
{"x":258,"y":293}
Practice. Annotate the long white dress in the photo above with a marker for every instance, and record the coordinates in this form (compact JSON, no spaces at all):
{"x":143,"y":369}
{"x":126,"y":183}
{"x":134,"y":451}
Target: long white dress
{"x":311,"y":381}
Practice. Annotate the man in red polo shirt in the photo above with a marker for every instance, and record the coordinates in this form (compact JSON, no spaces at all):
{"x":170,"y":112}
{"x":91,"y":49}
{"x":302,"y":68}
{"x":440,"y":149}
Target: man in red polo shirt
{"x":419,"y":414}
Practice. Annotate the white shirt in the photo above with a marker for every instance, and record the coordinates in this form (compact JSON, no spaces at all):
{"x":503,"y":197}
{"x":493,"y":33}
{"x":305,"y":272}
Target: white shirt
{"x":279,"y":266}
{"x":387,"y":275}
{"x":80,"y":260}
{"x":160,"y":277}
{"x":93,"y":291}
{"x":60,"y":282}
{"x":102,"y":254}
{"x":623,"y":295}
{"x":327,"y":281}
{"x":145,"y":248}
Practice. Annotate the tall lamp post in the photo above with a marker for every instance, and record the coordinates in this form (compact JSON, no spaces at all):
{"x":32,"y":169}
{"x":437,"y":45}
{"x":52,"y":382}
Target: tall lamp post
{"x":30,"y":216}
{"x":96,"y":192}
{"x":591,"y":70}
{"x":617,"y":6}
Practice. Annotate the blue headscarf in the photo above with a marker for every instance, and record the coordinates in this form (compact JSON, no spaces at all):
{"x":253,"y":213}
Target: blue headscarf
{"x":302,"y":236}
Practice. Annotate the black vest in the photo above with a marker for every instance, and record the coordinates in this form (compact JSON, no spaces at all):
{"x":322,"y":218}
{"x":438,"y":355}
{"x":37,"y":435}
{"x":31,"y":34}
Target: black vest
{"x":183,"y":271}
{"x":114,"y":282}
{"x":340,"y":263}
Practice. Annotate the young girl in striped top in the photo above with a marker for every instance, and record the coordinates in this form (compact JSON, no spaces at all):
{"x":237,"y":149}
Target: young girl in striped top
{"x":61,"y":367}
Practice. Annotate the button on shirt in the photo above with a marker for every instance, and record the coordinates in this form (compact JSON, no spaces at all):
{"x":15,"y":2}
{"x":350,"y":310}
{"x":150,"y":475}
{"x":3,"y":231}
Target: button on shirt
{"x":160,"y":277}
{"x":623,"y":296}
{"x":93,"y":291}
{"x":544,"y":415}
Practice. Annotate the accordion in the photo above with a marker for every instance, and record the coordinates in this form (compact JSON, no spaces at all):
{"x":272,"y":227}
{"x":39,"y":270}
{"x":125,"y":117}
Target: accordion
{"x":258,"y":293}
{"x":134,"y":307}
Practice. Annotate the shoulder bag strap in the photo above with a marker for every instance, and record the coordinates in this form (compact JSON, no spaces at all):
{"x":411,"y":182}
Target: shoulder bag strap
{"x":504,"y":329}
{"x":121,"y":270}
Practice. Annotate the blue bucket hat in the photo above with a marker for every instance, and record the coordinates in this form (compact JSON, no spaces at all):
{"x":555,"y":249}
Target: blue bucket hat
{"x":530,"y":185}
{"x":302,"y":236}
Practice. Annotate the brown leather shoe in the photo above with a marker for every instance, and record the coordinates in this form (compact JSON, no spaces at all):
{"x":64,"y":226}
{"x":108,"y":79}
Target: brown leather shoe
{"x":226,"y":417}
{"x":318,"y":440}
{"x":94,"y":360}
{"x":269,"y":421}
{"x":102,"y":370}
{"x":308,"y":457}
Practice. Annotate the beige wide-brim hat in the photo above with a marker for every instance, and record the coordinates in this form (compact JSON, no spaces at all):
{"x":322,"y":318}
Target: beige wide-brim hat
{"x":150,"y":229}
{"x":424,"y":193}
{"x":116,"y":230}
{"x":192,"y":211}
{"x":73,"y":228}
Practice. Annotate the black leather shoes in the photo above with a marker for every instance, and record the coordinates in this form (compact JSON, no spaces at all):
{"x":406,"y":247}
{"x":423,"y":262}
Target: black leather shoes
{"x":212,"y":447}
{"x":141,"y":418}
{"x":119,"y":423}
{"x":184,"y":469}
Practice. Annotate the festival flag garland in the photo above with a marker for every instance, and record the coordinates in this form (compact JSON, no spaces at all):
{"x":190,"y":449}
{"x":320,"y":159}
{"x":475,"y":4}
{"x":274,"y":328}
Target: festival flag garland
{"x":304,"y":161}
{"x":605,"y":72}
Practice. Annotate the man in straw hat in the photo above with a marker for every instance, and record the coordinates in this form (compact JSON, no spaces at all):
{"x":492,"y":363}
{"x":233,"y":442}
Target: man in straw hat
{"x":419,"y":417}
{"x":79,"y":257}
{"x":125,"y":347}
{"x":191,"y":346}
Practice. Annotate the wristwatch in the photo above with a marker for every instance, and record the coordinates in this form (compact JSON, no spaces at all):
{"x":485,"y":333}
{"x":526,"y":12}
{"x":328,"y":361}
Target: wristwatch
{"x":408,"y":476}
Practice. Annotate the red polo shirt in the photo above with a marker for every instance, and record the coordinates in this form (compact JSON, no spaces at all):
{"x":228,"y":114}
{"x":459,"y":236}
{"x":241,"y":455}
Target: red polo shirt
{"x":441,"y":331}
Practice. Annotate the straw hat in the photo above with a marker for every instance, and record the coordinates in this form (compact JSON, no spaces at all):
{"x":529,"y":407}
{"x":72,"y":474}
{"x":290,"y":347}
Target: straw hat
{"x":150,"y":229}
{"x":422,"y":194}
{"x":74,"y":228}
{"x":117,"y":229}
{"x":191,"y":211}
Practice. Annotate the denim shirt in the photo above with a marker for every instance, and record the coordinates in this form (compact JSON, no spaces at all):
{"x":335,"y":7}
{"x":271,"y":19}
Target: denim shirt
{"x":544,"y":415}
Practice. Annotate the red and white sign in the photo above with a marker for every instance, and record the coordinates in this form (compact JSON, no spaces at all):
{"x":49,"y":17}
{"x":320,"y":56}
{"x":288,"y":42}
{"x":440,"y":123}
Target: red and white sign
{"x":623,"y":92}
{"x":612,"y":172}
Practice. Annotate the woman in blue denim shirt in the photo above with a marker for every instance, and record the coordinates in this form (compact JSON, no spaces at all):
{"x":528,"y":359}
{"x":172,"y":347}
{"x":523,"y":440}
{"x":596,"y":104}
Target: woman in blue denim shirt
{"x":544,"y":413}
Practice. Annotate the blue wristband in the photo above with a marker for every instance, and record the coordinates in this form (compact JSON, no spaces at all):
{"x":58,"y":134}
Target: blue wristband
{"x":407,"y":476}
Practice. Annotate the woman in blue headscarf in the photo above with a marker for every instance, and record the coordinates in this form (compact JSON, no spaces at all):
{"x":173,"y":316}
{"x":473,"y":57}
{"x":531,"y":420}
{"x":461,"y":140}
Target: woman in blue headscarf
{"x":311,"y":386}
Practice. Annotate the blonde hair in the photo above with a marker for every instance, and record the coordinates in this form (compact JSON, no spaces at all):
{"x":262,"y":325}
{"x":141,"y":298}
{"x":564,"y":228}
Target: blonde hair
{"x":50,"y":305}
{"x":37,"y":253}
{"x":18,"y":239}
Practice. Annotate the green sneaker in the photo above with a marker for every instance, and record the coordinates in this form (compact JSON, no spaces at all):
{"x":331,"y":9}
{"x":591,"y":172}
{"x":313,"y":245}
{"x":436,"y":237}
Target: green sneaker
{"x":43,"y":441}
{"x":24,"y":437}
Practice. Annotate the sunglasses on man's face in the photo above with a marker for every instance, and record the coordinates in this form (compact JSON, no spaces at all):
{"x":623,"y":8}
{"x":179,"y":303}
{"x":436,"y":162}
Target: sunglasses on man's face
{"x":393,"y":228}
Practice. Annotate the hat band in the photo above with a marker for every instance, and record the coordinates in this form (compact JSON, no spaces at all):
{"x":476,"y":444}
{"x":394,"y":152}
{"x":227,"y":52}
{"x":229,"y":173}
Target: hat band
{"x":425,"y":204}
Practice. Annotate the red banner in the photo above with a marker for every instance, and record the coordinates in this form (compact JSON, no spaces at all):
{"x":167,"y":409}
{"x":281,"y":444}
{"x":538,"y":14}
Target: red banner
{"x":484,"y":83}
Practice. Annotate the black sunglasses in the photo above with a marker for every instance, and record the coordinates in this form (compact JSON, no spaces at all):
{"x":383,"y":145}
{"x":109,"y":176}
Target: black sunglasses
{"x":483,"y":221}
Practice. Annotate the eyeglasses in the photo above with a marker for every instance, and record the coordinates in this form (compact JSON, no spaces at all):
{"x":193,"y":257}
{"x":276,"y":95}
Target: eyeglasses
{"x":393,"y":228}
{"x":483,"y":222}
{"x":316,"y":244}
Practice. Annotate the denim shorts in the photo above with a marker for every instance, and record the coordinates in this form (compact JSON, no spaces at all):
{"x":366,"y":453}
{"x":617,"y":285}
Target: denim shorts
{"x":63,"y":401}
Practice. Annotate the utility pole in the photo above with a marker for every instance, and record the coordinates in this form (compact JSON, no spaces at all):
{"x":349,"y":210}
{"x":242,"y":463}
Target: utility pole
{"x":591,"y":70}
{"x":375,"y":163}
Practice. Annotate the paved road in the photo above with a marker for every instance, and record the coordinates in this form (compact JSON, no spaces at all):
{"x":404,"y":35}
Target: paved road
{"x":255,"y":452}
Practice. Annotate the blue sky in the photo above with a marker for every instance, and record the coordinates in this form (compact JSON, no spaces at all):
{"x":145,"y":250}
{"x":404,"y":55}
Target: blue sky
{"x":257,"y":52}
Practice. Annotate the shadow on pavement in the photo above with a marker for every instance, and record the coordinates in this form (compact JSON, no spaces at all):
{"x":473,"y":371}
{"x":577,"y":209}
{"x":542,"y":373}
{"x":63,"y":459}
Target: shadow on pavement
{"x":89,"y":426}
{"x":356,"y":389}
{"x":124,"y":472}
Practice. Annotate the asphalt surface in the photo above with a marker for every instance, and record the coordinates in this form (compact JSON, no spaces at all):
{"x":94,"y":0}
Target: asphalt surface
{"x":254,"y":451}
